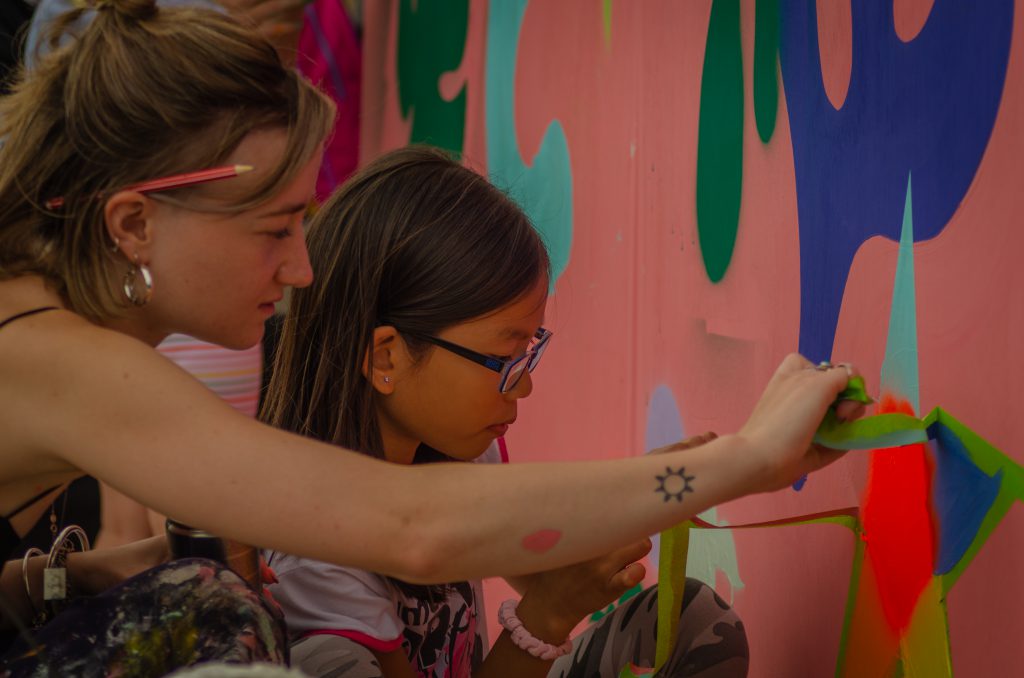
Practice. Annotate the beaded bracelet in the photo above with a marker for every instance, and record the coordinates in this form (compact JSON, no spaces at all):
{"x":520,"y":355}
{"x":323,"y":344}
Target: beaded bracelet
{"x":524,"y":640}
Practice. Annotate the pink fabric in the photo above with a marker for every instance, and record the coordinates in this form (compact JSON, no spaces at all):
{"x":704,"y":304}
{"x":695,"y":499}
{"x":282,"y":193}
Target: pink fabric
{"x":366,"y":641}
{"x":330,"y":56}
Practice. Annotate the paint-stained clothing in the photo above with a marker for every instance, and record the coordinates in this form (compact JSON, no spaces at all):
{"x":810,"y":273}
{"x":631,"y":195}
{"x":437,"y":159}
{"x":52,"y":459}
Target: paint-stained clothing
{"x":179,"y":614}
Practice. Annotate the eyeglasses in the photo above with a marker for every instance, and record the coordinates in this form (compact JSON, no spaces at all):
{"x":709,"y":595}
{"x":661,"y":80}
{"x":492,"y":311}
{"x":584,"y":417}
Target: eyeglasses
{"x":511,"y":371}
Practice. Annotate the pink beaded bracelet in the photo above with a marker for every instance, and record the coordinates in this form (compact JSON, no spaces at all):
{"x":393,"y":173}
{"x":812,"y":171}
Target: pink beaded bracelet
{"x":524,"y":640}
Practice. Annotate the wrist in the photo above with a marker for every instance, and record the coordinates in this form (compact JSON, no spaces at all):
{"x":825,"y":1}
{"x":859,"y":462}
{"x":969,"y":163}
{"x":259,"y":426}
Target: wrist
{"x":544,"y":623}
{"x":749,"y":466}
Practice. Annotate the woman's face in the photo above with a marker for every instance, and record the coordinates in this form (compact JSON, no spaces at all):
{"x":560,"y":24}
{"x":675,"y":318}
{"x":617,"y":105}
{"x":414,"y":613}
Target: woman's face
{"x":218,"y":276}
{"x":453,"y":404}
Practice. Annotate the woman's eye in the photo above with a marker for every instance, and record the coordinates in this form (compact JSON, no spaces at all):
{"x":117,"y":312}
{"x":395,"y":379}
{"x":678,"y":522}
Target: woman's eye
{"x":280,"y":234}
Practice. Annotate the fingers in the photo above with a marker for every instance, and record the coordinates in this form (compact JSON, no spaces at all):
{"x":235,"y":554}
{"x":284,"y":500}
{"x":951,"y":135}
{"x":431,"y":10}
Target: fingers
{"x":689,"y":443}
{"x":848,"y":410}
{"x":627,"y":577}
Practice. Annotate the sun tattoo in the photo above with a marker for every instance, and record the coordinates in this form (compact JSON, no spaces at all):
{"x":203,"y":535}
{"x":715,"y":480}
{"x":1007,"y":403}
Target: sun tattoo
{"x":674,"y":483}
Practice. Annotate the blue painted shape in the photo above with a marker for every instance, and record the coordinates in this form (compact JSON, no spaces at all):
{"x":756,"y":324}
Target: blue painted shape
{"x":926,"y":107}
{"x":962,"y":495}
{"x":899,"y":368}
{"x":544,"y":190}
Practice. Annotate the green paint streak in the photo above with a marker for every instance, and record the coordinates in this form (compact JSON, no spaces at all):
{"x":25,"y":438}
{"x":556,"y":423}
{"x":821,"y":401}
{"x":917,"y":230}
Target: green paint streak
{"x":766,"y":67}
{"x":851,"y":598}
{"x":720,"y":139}
{"x":606,"y":19}
{"x":431,"y":40}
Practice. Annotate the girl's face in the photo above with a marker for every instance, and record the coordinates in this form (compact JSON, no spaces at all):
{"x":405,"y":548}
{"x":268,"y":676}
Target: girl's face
{"x":218,"y":276}
{"x":451,"y":403}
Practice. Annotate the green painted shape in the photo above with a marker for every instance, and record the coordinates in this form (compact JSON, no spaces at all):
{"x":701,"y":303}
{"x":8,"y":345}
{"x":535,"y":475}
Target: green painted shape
{"x":720,"y":139}
{"x":766,"y":67}
{"x":606,"y":21}
{"x":431,"y":41}
{"x":871,"y":433}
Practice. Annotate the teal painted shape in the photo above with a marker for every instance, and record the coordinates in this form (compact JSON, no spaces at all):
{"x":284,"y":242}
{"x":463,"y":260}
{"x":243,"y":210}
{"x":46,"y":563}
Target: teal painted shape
{"x":766,"y":67}
{"x":899,"y":368}
{"x":543,"y":189}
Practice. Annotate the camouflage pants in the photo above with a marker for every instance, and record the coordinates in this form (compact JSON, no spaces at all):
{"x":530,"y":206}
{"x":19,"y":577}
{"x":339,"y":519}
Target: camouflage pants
{"x":710,"y":642}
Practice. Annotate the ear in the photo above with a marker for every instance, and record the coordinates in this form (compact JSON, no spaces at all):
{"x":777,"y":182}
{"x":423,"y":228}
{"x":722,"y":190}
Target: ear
{"x":128,"y":216}
{"x":384,"y":359}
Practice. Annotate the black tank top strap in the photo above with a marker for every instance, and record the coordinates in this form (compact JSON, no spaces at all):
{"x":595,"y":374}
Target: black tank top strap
{"x":31,"y":501}
{"x":24,"y":314}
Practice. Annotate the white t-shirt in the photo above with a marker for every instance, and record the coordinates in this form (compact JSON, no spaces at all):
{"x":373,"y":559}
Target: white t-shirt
{"x":445,"y":640}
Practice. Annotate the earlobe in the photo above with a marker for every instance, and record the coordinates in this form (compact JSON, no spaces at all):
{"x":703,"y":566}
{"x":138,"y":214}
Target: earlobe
{"x":379,"y":365}
{"x":127,"y":216}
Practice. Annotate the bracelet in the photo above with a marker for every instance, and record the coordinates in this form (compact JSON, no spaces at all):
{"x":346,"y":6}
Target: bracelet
{"x":55,"y":581}
{"x":36,"y":613}
{"x":524,"y":640}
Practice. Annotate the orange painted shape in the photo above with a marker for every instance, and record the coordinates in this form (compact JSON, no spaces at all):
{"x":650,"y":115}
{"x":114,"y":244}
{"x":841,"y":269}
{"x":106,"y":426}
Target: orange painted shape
{"x":872,"y":648}
{"x":898,"y":525}
{"x":910,"y":16}
{"x":835,"y":46}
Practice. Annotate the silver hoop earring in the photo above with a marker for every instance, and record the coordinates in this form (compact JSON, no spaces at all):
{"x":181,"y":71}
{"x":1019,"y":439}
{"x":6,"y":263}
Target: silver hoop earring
{"x":138,"y":294}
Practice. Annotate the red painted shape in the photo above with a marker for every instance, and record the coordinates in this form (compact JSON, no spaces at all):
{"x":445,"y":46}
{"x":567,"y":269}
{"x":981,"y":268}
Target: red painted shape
{"x":542,"y":540}
{"x":898,"y":524}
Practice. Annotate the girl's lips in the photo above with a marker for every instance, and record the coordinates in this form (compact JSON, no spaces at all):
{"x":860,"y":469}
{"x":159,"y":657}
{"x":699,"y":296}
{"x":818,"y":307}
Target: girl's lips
{"x":498,"y":429}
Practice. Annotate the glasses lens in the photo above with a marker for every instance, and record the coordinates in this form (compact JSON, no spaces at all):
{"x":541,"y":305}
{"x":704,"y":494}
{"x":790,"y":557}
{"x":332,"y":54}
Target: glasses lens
{"x":515,"y":373}
{"x":537,"y":350}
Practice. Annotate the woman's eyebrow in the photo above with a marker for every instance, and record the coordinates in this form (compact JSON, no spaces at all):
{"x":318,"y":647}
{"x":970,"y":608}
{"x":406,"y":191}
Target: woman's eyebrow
{"x":287,"y":209}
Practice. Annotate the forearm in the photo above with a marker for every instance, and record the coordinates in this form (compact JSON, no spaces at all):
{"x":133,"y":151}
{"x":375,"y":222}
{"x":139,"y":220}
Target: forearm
{"x":563,"y":513}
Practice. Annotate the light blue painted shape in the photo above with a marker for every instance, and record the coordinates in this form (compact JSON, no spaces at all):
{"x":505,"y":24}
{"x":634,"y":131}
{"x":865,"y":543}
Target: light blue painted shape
{"x":543,"y":189}
{"x":899,"y":368}
{"x":710,"y":550}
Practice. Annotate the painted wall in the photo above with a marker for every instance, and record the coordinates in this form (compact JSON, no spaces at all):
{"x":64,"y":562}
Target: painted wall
{"x":721,"y":183}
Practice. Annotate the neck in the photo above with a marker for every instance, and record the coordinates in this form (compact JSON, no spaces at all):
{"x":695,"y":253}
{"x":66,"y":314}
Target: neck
{"x":134,"y":326}
{"x":398,"y":448}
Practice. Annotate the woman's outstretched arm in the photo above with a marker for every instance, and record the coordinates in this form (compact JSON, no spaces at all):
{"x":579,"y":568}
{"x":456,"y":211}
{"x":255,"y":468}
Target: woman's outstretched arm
{"x":99,"y":401}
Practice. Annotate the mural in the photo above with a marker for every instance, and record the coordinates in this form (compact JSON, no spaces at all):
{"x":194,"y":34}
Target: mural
{"x":723,"y":182}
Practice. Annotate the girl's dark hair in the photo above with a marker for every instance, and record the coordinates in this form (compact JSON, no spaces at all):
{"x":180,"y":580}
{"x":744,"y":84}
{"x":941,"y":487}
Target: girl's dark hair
{"x":414,"y":240}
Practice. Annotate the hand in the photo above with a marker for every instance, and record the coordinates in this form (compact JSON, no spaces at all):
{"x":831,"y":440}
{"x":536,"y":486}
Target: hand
{"x":96,"y":571}
{"x":555,"y":601}
{"x":687,"y":444}
{"x":782,"y":425}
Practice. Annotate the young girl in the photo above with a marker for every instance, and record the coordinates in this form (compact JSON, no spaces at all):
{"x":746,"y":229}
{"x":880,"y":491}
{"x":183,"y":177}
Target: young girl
{"x":418,"y":338}
{"x":94,"y":273}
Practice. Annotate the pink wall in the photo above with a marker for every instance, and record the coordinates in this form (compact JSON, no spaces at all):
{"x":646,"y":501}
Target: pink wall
{"x":635,"y":310}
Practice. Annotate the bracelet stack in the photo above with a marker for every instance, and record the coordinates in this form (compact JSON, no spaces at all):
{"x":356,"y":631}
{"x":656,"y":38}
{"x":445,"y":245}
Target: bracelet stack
{"x":524,"y":640}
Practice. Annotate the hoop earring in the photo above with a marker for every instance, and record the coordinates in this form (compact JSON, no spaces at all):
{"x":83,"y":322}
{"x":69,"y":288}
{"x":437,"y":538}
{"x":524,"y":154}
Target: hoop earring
{"x":131,"y":285}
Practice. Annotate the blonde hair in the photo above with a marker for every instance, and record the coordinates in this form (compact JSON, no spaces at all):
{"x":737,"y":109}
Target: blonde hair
{"x":140,"y":93}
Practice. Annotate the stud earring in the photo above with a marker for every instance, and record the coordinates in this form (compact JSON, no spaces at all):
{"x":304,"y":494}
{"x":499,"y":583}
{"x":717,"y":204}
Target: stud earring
{"x":387,"y":380}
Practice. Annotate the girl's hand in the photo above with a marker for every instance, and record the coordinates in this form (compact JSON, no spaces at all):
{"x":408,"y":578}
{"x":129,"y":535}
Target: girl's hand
{"x":555,"y":601}
{"x":781,"y":427}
